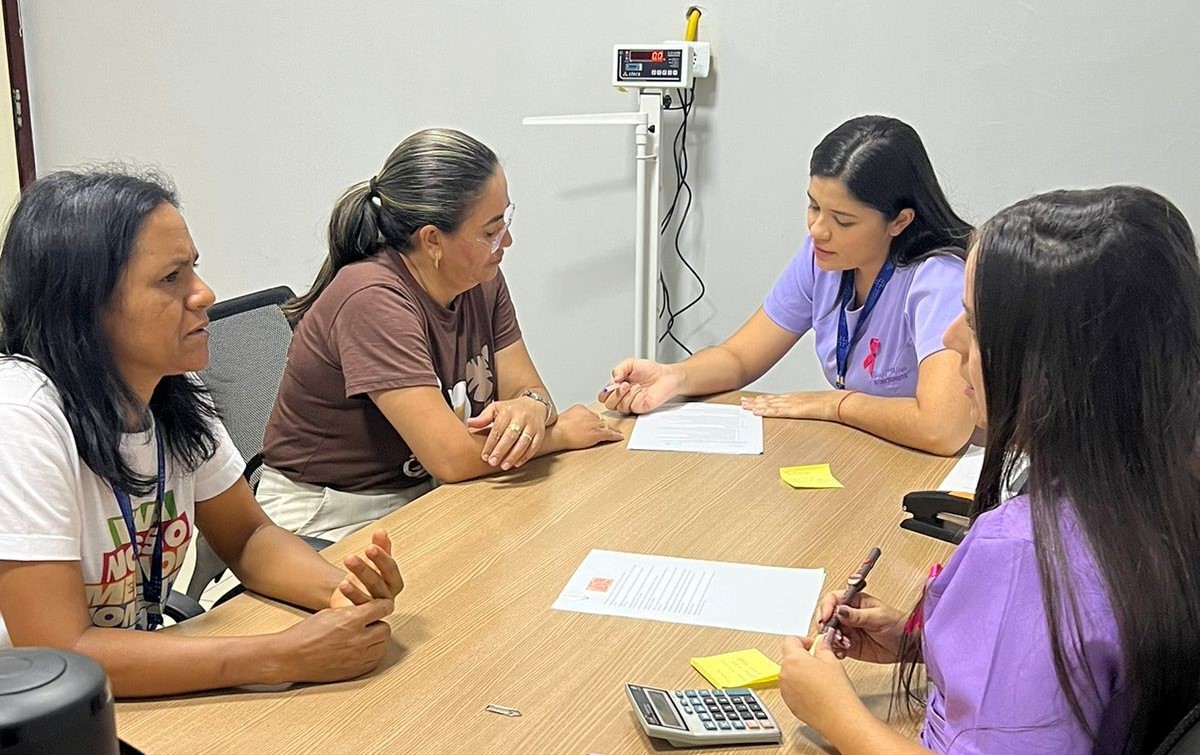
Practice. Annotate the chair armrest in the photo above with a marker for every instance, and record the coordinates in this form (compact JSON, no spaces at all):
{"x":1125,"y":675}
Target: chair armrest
{"x":316,"y":543}
{"x":252,"y":466}
{"x":232,"y":592}
{"x":180,"y":607}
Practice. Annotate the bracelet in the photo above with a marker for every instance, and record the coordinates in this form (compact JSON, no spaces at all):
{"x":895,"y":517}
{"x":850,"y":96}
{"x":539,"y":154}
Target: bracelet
{"x":540,"y":399}
{"x":842,"y":401}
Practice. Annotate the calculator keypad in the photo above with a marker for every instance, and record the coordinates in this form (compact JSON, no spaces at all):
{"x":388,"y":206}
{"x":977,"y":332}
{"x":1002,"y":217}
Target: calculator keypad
{"x":694,"y":717}
{"x":727,"y":710}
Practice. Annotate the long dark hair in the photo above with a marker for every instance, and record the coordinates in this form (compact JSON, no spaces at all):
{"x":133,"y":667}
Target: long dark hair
{"x":1087,"y":312}
{"x":432,"y":178}
{"x":884,"y":165}
{"x":66,"y":248}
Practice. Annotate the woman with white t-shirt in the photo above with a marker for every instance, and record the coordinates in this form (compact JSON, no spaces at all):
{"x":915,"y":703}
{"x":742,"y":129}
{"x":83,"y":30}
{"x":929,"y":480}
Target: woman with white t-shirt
{"x":111,"y":457}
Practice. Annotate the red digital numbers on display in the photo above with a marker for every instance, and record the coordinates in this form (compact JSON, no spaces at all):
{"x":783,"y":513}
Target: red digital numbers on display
{"x":652,"y":56}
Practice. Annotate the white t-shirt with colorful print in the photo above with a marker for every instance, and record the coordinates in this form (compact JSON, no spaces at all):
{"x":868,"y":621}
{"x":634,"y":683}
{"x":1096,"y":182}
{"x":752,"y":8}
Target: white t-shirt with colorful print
{"x":54,"y":508}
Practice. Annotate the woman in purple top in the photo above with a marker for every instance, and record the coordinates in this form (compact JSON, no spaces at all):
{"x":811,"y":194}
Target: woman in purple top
{"x":877,"y":281}
{"x":1067,"y":619}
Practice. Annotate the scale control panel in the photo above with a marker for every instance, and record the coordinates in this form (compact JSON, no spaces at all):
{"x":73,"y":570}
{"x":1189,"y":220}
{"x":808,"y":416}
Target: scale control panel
{"x":668,"y":65}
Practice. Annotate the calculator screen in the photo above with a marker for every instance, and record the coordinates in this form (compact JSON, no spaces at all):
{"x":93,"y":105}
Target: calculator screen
{"x":664,"y":708}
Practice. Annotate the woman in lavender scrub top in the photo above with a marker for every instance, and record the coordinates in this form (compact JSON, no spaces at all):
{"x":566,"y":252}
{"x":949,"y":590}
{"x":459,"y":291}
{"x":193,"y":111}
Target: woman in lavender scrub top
{"x":883,"y":265}
{"x":1067,"y":620}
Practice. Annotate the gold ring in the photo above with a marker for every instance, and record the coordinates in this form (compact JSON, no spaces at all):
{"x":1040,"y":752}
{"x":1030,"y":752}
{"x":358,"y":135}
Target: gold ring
{"x":514,"y":428}
{"x":527,"y":436}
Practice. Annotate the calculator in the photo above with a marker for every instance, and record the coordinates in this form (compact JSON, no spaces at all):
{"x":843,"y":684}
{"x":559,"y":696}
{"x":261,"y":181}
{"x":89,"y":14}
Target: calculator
{"x":703,"y":717}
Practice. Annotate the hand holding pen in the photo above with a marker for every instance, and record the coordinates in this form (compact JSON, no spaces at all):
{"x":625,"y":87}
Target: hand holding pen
{"x":854,"y":585}
{"x":639,"y":386}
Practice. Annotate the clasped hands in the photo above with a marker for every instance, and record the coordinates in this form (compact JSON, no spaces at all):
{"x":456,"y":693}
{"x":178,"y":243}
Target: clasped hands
{"x":374,"y":575}
{"x":518,"y":428}
{"x":351,"y":636}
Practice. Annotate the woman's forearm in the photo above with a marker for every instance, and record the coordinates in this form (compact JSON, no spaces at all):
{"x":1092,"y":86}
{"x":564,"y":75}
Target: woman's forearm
{"x":149,"y":664}
{"x":859,"y":732}
{"x":276,"y":563}
{"x":713,"y":370}
{"x":904,"y":421}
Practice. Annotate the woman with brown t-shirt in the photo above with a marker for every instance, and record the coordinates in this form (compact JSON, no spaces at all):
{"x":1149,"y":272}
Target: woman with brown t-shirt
{"x":407,"y":364}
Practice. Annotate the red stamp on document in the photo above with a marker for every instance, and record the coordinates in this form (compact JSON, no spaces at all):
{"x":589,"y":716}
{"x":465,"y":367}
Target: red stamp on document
{"x":599,"y":584}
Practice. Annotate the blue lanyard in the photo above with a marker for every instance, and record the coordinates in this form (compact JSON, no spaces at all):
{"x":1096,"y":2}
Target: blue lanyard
{"x":845,"y":341}
{"x":152,"y":585}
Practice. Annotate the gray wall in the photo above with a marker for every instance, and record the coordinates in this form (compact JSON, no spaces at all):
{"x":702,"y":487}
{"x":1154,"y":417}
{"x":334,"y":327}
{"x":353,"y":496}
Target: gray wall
{"x":265,"y":111}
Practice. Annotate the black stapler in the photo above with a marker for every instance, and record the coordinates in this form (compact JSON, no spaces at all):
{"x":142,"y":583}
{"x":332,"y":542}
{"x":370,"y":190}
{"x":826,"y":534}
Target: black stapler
{"x":939,"y":514}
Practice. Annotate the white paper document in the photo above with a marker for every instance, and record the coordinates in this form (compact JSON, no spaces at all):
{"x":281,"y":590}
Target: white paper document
{"x":965,"y":475}
{"x":699,"y":428}
{"x":749,"y":597}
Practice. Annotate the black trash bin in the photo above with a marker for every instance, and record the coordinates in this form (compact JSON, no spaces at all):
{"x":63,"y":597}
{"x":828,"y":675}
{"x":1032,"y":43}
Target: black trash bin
{"x":53,"y":701}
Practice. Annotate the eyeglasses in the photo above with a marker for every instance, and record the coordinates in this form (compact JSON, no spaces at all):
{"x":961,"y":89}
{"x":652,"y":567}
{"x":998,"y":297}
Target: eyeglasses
{"x":493,"y":240}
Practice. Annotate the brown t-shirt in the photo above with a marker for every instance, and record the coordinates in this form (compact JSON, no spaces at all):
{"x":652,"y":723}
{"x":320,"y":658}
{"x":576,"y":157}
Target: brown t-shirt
{"x":376,"y":329}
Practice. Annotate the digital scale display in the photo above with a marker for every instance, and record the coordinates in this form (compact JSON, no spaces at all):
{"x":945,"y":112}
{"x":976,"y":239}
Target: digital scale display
{"x":647,"y":56}
{"x":650,"y":65}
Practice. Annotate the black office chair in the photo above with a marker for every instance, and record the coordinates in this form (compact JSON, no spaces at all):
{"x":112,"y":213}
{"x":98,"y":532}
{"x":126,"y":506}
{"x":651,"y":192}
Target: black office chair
{"x":248,"y":340}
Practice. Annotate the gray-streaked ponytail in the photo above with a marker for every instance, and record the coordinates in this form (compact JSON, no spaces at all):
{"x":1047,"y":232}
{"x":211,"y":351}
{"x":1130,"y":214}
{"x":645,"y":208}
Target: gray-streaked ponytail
{"x":433,"y":177}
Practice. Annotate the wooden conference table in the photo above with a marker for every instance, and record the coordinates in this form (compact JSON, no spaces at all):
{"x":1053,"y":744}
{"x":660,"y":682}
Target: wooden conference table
{"x":484,"y":560}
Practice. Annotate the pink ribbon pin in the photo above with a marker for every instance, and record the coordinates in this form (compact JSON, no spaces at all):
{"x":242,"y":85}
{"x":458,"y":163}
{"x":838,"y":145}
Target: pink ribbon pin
{"x":869,"y":362}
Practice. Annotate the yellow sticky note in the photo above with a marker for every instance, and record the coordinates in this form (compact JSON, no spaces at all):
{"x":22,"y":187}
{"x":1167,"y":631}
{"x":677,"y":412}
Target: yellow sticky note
{"x":810,"y":476}
{"x":742,"y":668}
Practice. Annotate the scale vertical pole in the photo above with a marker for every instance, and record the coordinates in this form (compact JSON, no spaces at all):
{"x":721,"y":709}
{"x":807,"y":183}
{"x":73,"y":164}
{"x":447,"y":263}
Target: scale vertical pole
{"x":646,"y":242}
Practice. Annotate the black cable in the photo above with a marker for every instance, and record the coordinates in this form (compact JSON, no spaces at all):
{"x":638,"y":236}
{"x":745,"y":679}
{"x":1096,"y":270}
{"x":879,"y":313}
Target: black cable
{"x":662,"y":283}
{"x":678,"y":232}
{"x":678,"y":145}
{"x":667,"y":103}
{"x":687,"y":98}
{"x":679,"y":152}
